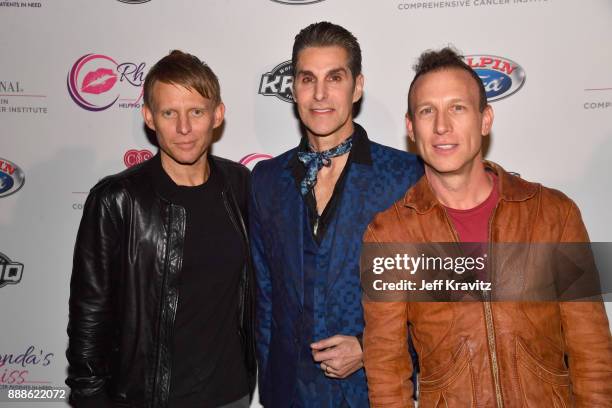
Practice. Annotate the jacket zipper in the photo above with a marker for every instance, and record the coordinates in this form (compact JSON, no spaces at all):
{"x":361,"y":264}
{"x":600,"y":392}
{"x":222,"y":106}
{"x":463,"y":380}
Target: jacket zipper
{"x":171,"y":314}
{"x":489,"y":323}
{"x":488,"y":315}
{"x":242,"y":232}
{"x":161,"y":311}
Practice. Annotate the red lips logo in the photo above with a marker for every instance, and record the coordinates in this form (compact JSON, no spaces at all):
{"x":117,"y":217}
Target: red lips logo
{"x":133,"y":157}
{"x":98,"y":81}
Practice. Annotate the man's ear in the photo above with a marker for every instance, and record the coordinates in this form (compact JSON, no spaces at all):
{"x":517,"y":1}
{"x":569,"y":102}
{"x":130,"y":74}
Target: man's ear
{"x":147,"y":115}
{"x":410,"y":128}
{"x":219,"y":115}
{"x":358,"y":90}
{"x":487,"y":120}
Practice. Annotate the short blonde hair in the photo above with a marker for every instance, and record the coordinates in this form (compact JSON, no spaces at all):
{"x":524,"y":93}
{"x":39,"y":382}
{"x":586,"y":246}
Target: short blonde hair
{"x":183,"y":69}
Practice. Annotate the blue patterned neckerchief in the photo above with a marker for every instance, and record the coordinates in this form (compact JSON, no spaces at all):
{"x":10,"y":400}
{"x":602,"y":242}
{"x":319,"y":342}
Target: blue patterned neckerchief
{"x":313,"y":161}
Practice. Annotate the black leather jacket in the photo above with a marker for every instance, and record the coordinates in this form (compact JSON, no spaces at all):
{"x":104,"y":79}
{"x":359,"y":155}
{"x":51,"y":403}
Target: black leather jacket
{"x":123,"y":291}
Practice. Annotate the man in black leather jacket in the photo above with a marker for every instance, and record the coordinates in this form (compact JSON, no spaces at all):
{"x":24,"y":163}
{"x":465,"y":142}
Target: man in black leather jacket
{"x":161,"y":290}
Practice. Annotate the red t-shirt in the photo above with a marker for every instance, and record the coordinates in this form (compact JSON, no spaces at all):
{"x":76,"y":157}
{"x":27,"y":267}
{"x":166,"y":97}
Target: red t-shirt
{"x":473,"y":225}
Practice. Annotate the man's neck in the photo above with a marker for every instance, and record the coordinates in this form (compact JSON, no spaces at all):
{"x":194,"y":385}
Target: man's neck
{"x":322,"y":143}
{"x":461,"y":191}
{"x":189,"y":175}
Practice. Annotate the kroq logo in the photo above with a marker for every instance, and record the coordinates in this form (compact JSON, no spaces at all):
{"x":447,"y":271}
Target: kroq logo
{"x":250,"y":160}
{"x":133,"y":157}
{"x":278,"y":82}
{"x":96,"y":82}
{"x":501,"y":77}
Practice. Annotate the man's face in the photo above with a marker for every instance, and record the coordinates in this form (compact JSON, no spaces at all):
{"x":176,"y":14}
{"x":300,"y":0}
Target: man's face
{"x":324,"y":91}
{"x":447,"y":125}
{"x":184,"y":122}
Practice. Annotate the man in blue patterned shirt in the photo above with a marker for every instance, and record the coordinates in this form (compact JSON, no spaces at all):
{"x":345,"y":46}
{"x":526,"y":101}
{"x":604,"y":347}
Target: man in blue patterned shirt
{"x":308,"y":211}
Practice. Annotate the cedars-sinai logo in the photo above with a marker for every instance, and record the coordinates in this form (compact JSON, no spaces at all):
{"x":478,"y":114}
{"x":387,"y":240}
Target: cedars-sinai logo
{"x":96,"y":82}
{"x":278,"y":82}
{"x":133,"y":157}
{"x":501,"y":77}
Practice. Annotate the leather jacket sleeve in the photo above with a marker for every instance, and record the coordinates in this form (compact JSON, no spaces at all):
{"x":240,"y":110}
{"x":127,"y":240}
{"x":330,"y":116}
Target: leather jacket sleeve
{"x":386,"y":357}
{"x":90,"y":323}
{"x":587,"y":336}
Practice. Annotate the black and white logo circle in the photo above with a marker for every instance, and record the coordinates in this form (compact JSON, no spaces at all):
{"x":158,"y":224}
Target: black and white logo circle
{"x":278,"y":82}
{"x":10,"y":272}
{"x":296,"y":2}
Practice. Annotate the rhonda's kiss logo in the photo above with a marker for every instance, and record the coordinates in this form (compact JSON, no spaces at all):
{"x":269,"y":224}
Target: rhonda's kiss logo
{"x":96,"y":82}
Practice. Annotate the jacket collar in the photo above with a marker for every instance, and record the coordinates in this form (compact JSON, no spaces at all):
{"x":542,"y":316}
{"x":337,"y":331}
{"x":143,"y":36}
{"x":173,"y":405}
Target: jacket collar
{"x":511,"y":188}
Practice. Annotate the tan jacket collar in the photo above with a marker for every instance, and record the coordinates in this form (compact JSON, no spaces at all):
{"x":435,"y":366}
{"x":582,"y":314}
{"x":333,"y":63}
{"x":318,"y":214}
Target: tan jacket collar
{"x":511,"y":188}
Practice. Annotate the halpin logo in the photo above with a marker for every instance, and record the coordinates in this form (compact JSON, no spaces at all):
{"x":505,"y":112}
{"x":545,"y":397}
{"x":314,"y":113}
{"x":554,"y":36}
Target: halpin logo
{"x":501,"y":77}
{"x":278,"y":82}
{"x":250,"y":160}
{"x":297,"y":1}
{"x":12,"y":178}
{"x":133,"y":157}
{"x":96,"y":82}
{"x":10,"y":272}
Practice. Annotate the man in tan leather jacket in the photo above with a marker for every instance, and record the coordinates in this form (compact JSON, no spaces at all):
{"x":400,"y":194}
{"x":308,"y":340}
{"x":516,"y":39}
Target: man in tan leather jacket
{"x":479,"y":354}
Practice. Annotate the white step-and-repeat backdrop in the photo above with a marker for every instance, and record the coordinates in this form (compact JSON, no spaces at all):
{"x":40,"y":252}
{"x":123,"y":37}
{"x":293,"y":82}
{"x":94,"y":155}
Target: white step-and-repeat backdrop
{"x":71,"y":76}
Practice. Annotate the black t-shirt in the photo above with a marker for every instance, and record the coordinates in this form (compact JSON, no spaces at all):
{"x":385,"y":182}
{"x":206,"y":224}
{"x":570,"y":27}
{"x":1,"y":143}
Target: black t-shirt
{"x":208,"y":366}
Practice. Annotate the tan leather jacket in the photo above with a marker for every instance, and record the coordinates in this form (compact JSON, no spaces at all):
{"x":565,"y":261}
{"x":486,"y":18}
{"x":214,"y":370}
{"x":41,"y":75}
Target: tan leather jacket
{"x":488,"y":354}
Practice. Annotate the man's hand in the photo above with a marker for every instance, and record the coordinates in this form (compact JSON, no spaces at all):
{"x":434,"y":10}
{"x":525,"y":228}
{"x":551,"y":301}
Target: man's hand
{"x":340,"y":356}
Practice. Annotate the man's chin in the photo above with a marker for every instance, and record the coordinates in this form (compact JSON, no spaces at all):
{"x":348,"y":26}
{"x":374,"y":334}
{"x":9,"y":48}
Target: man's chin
{"x":186,"y":160}
{"x":323,"y":131}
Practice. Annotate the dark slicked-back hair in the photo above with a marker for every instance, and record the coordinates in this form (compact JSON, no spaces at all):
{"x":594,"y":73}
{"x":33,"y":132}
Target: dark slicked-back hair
{"x":446,"y":58}
{"x":185,"y":70}
{"x":326,"y":34}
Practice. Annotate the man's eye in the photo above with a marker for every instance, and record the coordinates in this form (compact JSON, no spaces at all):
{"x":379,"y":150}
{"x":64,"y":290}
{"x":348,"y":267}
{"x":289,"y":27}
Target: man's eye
{"x":335,"y":78}
{"x":425,"y":111}
{"x":307,"y":79}
{"x":197,"y":112}
{"x":167,"y":113}
{"x":458,"y":108}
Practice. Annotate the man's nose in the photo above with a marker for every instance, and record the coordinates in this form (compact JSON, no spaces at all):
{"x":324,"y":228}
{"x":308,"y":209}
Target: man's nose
{"x":183,"y":125}
{"x":442,"y":124}
{"x":320,"y":90}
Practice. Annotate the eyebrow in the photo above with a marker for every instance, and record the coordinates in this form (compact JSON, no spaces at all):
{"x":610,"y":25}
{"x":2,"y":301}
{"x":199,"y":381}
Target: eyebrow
{"x":339,"y":70}
{"x":454,"y":100}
